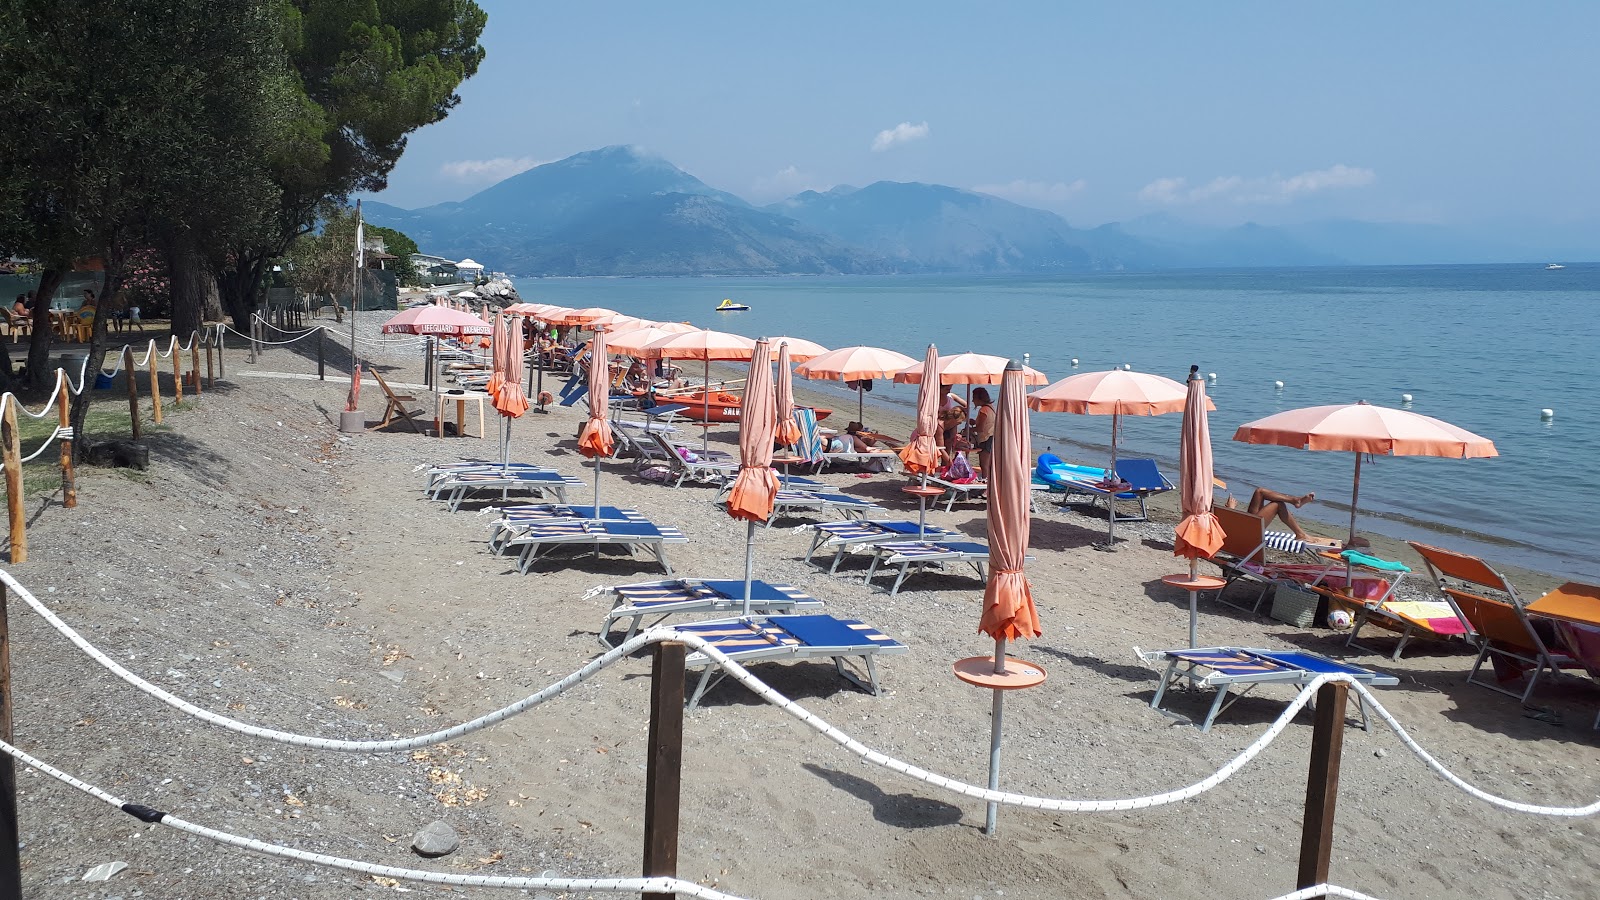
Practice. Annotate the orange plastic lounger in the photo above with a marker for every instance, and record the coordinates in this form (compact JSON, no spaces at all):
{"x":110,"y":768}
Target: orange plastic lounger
{"x":1506,"y":636}
{"x":1574,"y":609}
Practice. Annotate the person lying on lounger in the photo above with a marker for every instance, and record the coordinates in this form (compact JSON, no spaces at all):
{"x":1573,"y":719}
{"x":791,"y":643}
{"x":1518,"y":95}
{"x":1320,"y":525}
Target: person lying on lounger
{"x":1270,"y":504}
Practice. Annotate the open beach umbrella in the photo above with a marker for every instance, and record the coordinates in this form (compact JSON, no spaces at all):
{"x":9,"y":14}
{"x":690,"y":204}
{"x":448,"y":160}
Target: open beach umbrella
{"x":787,"y":430}
{"x":675,"y":327}
{"x":615,"y":322}
{"x":1116,"y":393}
{"x":1362,"y":428}
{"x":854,"y":364}
{"x":800,"y":349}
{"x":706,"y":345}
{"x":756,"y":487}
{"x":1198,"y":533}
{"x":432,"y":321}
{"x":583,"y":316}
{"x":595,"y":440}
{"x":1008,"y":609}
{"x":920,"y":455}
{"x":969,"y":368}
{"x":633,"y":341}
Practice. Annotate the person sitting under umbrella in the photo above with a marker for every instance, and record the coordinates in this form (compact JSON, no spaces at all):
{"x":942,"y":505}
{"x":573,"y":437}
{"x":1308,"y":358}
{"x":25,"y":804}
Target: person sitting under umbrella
{"x":1269,"y":504}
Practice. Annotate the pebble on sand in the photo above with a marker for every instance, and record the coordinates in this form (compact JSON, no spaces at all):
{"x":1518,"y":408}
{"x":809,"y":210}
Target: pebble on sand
{"x":435,"y":839}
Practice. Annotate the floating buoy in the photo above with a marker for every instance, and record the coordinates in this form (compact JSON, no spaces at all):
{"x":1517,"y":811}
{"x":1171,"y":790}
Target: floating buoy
{"x":1127,"y":367}
{"x":1074,"y":362}
{"x":1405,"y":398}
{"x":1211,"y":377}
{"x":1547,"y":414}
{"x":1278,"y":385}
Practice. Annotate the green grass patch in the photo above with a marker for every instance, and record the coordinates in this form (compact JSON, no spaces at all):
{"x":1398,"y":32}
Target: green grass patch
{"x":107,"y":420}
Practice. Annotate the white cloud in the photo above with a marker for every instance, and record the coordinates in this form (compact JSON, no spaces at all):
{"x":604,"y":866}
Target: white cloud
{"x":785,"y":182}
{"x":1267,"y":189}
{"x":1035,"y":193}
{"x":489,"y":170}
{"x":899,"y":134}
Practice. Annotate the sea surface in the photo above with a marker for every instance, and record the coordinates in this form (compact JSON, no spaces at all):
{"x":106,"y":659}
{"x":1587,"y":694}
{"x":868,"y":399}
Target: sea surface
{"x":1483,"y":347}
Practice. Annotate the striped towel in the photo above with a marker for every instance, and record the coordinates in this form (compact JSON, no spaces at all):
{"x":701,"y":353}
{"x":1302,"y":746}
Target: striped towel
{"x":1284,"y":541}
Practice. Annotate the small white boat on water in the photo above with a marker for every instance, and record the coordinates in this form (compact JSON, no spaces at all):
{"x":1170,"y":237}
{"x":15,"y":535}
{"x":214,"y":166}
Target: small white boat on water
{"x":728,"y":305}
{"x":1555,"y":266}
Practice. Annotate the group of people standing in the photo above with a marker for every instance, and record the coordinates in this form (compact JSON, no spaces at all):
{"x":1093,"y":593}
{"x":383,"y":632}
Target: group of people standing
{"x":958,"y":434}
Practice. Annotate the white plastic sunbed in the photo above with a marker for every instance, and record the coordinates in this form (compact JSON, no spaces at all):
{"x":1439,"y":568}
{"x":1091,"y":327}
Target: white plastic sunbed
{"x":790,"y":638}
{"x":661,"y":599}
{"x":538,"y":539}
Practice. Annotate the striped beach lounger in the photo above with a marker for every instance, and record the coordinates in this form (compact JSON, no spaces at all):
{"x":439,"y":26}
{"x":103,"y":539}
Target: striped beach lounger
{"x":432,"y":474}
{"x":840,"y":537}
{"x":789,"y":638}
{"x":788,"y":501}
{"x":514,"y":519}
{"x":456,"y":488}
{"x":538,"y":539}
{"x":918,"y":555}
{"x":661,"y":599}
{"x":1227,"y":667}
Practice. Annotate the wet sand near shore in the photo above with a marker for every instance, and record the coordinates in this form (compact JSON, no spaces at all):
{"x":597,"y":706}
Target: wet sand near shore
{"x":313,"y":588}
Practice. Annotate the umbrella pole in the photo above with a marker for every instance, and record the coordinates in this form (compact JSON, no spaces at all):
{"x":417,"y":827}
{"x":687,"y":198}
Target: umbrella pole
{"x":861,"y":403}
{"x":996,"y":723}
{"x":1194,"y":605}
{"x":1111,"y":481}
{"x":538,"y":362}
{"x":705,"y":396}
{"x":749,"y":561}
{"x":1355,"y":493}
{"x":922,"y":509}
{"x":595,"y":513}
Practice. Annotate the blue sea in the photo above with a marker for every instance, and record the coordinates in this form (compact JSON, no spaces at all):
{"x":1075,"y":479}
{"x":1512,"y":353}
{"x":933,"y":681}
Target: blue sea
{"x":1483,"y":347}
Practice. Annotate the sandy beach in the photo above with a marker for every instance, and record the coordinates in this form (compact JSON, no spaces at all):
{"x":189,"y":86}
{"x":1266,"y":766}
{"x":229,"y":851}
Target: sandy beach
{"x":270,"y":569}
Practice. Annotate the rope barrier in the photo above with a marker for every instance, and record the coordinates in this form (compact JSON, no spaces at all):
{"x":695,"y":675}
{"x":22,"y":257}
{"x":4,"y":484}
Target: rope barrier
{"x":1325,"y":890}
{"x":158,"y":817}
{"x":815,"y":722}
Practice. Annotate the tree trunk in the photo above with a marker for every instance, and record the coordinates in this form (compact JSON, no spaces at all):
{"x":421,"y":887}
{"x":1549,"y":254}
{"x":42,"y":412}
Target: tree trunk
{"x":194,"y":285}
{"x":39,"y":370}
{"x":241,"y":288}
{"x":97,"y":353}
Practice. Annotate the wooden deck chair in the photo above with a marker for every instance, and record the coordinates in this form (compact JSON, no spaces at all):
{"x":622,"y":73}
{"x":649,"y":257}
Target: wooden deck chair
{"x":1491,"y":605}
{"x":397,"y":405}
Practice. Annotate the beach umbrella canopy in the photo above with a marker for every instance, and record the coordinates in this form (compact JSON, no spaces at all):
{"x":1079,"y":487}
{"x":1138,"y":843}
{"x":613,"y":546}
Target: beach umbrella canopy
{"x":1116,"y":393}
{"x":675,"y":327}
{"x":633,"y":341}
{"x":436,"y":320}
{"x":583,"y":316}
{"x":855,"y":364}
{"x":615,"y":322}
{"x":968,"y":368}
{"x":701,"y":343}
{"x":800,"y":349}
{"x":595,"y":440}
{"x":756,"y":487}
{"x":1008,"y":610}
{"x":787,"y":431}
{"x":550,"y":313}
{"x":920,"y":455}
{"x":1363,"y":428}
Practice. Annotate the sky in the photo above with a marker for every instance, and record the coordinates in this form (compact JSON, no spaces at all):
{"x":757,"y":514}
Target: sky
{"x":1454,"y":113}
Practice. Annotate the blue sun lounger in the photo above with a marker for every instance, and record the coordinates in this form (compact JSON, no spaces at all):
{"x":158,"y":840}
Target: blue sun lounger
{"x":456,"y":487}
{"x":789,"y":500}
{"x":1142,"y":479}
{"x":692,"y":595}
{"x":918,"y":555}
{"x":840,"y":537}
{"x":538,"y":539}
{"x":790,"y":638}
{"x":514,"y":519}
{"x":1227,"y":667}
{"x":433,"y":474}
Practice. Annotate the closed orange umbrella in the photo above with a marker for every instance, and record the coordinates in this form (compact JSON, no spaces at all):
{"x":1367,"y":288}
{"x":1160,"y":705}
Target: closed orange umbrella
{"x":1008,"y":611}
{"x":756,"y":487}
{"x":1198,"y":533}
{"x":497,"y":339}
{"x":1364,"y":428}
{"x":787,"y":430}
{"x":512,"y":400}
{"x":920,"y":455}
{"x":595,"y":440}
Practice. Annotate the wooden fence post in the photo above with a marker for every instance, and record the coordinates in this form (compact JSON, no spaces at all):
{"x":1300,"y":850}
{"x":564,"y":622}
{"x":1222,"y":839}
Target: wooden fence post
{"x":11,"y":446}
{"x":211,"y":372}
{"x":664,"y":763}
{"x":69,"y":481}
{"x":10,"y":834}
{"x":133,"y":388}
{"x":177,"y":369}
{"x":322,"y":369}
{"x":194,"y":362}
{"x":155,"y":385}
{"x":222,"y":371}
{"x":252,"y":339}
{"x":1322,"y":784}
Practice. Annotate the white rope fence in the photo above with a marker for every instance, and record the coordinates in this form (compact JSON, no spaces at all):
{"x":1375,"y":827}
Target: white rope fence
{"x":815,"y":722}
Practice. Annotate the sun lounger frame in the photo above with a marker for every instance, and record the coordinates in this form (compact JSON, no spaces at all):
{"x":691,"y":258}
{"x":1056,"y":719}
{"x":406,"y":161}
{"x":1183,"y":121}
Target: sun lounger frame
{"x":702,"y":598}
{"x":788,"y":500}
{"x":759,"y":646}
{"x":842,"y":536}
{"x":1296,"y":667}
{"x":537,"y":541}
{"x":516,"y":519}
{"x":918,"y":555}
{"x":454,"y":489}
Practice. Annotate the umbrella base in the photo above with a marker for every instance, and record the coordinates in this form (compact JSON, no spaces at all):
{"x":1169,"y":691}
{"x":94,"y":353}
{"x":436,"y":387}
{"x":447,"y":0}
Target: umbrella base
{"x":352,"y":421}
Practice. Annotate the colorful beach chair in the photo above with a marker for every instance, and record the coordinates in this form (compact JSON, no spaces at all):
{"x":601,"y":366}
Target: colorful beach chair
{"x":661,"y":599}
{"x":537,"y":540}
{"x":1226,"y":668}
{"x":842,"y":537}
{"x":785,"y":638}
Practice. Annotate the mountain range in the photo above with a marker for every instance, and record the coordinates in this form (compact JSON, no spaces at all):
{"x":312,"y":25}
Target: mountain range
{"x":618,"y":211}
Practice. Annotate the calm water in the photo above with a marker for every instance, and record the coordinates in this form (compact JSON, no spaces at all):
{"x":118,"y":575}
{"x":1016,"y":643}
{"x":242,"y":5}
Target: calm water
{"x":1483,"y":347}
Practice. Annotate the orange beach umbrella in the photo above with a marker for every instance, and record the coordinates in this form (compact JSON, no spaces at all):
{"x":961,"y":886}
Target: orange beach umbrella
{"x":856,"y":364}
{"x":969,"y":368}
{"x":756,"y":487}
{"x":703,"y":344}
{"x":436,"y":320}
{"x":595,"y":440}
{"x":920,"y":455}
{"x":800,"y":349}
{"x":1198,"y":533}
{"x":1008,"y":610}
{"x":1362,"y":428}
{"x":787,"y":430}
